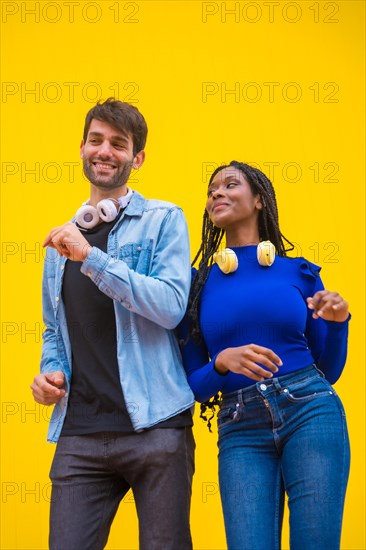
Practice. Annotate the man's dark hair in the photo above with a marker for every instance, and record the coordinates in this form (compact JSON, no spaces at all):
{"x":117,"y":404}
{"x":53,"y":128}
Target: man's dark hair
{"x":124,"y":117}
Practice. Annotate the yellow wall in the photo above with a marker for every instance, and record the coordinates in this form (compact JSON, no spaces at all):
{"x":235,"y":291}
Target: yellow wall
{"x":279,"y":84}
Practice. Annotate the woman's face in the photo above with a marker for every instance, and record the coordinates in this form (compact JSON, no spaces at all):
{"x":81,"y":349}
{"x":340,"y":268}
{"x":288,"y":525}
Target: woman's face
{"x":230,"y":200}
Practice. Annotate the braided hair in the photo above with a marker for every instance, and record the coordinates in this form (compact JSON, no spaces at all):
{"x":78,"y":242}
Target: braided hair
{"x":268,"y":227}
{"x":212,"y":236}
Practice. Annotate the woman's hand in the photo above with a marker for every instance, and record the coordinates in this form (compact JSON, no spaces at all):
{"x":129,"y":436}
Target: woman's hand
{"x":330,"y":306}
{"x":255,"y":362}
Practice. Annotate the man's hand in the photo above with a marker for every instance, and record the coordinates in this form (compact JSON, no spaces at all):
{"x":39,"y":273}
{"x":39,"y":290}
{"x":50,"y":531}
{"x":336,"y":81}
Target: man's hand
{"x":47,"y":388}
{"x":330,"y":306}
{"x":255,"y":362}
{"x":69,"y":242}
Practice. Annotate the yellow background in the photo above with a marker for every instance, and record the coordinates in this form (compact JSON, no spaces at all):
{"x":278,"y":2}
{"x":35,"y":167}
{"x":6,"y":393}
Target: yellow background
{"x":177,"y":61}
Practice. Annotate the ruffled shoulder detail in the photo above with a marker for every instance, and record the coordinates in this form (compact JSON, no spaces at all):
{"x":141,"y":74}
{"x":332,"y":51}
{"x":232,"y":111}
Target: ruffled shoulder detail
{"x":308,"y":269}
{"x":306,"y":273}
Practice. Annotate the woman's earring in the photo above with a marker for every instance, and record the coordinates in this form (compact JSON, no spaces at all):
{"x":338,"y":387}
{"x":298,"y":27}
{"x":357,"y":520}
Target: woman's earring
{"x":227,"y":260}
{"x":266,"y":253}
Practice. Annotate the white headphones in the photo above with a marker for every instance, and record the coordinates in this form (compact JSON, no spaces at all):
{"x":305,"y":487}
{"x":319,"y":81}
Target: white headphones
{"x":107,"y":210}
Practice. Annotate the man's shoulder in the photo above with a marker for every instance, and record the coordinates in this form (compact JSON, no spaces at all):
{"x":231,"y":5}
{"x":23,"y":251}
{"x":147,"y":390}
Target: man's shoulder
{"x":152,"y":204}
{"x":148,"y":205}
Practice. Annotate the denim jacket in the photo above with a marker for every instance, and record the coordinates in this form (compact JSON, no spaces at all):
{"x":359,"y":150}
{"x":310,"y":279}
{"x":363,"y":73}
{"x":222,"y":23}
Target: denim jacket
{"x":146,"y":271}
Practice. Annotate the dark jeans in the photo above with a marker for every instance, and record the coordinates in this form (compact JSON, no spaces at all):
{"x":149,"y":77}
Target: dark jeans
{"x":91,"y":474}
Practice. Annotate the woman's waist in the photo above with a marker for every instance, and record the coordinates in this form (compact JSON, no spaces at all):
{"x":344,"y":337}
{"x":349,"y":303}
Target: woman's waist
{"x":292,"y":360}
{"x":269,"y":385}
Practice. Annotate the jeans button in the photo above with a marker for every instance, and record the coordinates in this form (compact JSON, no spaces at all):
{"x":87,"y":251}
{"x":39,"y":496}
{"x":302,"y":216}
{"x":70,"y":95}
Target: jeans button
{"x":263,"y":387}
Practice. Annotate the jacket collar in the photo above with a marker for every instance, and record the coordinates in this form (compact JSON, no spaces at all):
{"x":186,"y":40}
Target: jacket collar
{"x":136,"y":205}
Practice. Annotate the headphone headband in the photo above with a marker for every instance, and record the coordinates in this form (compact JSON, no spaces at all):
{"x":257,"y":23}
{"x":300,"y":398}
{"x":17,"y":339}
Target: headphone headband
{"x":107,"y":210}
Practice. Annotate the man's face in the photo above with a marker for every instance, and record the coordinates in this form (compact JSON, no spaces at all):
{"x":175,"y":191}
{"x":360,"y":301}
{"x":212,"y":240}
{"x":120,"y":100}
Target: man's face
{"x":107,"y":156}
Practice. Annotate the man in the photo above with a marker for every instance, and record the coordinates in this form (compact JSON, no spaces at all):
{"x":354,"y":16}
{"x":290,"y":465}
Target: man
{"x":115,"y":286}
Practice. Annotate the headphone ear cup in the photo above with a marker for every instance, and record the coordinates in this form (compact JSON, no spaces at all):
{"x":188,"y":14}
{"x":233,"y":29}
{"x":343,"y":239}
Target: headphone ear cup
{"x":87,"y":216}
{"x":107,"y":210}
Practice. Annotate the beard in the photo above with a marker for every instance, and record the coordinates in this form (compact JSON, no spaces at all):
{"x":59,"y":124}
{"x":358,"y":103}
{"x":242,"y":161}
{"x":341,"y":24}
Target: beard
{"x":117,"y":178}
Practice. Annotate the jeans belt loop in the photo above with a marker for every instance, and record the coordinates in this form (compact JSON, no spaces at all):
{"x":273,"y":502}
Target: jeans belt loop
{"x":240,"y":398}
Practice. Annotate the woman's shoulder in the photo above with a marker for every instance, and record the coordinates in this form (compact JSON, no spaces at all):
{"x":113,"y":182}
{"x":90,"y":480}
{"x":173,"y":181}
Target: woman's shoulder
{"x":300,"y":265}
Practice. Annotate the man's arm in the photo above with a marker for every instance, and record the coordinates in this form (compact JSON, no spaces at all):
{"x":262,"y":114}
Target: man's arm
{"x":161,"y":296}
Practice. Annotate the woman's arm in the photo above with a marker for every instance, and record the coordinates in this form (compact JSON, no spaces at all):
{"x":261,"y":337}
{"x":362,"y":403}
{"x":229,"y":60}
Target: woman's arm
{"x":327,"y":330}
{"x":206,"y":377}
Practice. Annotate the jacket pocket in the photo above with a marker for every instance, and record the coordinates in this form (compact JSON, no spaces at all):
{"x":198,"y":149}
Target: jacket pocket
{"x":137,"y":255}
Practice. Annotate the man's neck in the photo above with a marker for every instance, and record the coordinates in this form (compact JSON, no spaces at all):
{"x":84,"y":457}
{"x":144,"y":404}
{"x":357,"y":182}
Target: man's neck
{"x":97,"y":194}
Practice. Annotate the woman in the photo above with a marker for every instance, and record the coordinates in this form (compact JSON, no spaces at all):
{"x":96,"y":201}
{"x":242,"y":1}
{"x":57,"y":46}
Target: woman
{"x":272,"y":341}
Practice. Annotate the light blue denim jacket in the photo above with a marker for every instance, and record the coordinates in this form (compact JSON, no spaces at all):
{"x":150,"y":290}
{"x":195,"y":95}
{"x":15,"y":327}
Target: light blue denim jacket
{"x":146,"y":272}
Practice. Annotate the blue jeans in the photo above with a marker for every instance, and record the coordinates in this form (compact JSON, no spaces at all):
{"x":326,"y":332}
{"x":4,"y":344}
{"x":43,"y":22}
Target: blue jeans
{"x":91,"y":474}
{"x":284,"y":435}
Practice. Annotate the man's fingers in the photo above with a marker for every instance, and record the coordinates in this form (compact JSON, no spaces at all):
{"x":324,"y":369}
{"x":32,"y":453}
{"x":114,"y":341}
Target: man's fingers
{"x":48,"y":240}
{"x":46,"y":394}
{"x":49,"y":383}
{"x":47,"y":389}
{"x":56,"y":377}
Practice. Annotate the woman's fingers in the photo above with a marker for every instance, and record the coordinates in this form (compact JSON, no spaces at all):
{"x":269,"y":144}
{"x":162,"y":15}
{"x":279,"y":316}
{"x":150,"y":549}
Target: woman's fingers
{"x":256,"y":362}
{"x":330,"y":306}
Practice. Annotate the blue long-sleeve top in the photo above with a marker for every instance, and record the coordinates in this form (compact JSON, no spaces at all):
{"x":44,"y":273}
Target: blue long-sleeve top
{"x":264,"y":306}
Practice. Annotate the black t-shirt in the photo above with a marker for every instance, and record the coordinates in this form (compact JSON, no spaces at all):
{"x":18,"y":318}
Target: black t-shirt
{"x":96,"y":401}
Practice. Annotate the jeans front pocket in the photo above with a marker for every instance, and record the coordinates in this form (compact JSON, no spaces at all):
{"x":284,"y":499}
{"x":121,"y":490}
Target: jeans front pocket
{"x":228,"y":416}
{"x":307,"y":389}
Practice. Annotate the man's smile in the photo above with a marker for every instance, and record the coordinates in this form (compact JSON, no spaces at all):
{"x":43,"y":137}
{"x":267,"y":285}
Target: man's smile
{"x":103,"y":166}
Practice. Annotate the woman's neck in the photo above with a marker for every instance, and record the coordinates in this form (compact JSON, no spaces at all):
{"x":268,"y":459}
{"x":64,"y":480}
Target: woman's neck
{"x":242,"y":237}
